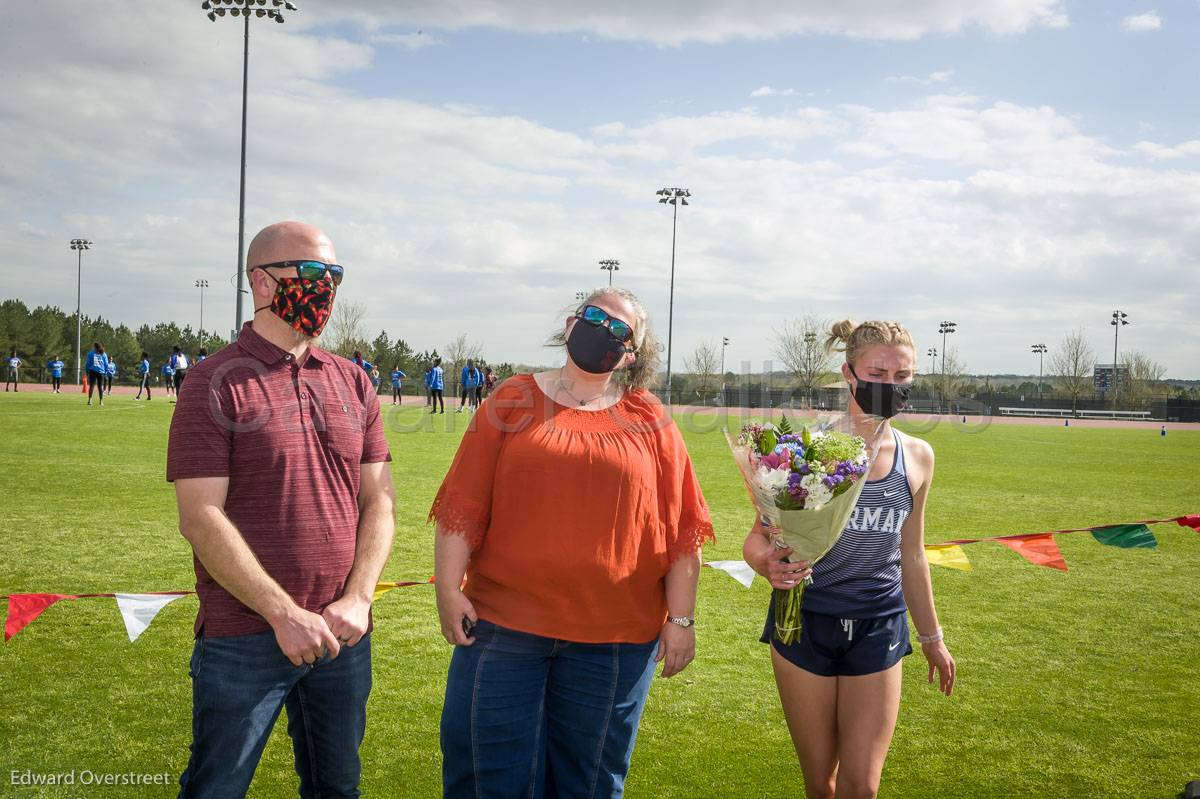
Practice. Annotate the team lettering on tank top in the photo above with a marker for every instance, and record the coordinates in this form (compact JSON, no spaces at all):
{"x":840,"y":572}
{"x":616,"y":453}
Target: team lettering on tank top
{"x":862,"y":571}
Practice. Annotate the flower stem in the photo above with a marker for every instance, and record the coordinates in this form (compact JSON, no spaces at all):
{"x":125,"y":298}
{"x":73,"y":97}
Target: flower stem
{"x":787,"y":613}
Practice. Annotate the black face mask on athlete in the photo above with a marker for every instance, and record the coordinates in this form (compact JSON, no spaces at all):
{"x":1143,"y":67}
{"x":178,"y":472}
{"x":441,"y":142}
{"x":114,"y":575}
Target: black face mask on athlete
{"x":880,"y":399}
{"x":593,"y":348}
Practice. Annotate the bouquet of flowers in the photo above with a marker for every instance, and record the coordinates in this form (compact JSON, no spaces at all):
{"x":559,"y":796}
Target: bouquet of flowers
{"x":805,"y":486}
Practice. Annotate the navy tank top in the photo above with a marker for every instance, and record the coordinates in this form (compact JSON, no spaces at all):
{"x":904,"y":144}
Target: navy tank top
{"x":860,"y":577}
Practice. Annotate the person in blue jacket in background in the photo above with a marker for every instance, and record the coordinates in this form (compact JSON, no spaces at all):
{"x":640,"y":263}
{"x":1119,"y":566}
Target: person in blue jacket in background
{"x":437,"y":383}
{"x":109,"y":375}
{"x":168,"y":373}
{"x":397,"y":375}
{"x":364,"y":364}
{"x":144,"y":375}
{"x":468,"y":381}
{"x":14,"y":364}
{"x":55,"y":365}
{"x":97,"y":371}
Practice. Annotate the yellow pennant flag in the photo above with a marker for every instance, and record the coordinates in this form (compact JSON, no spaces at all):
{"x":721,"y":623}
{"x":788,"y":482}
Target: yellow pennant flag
{"x":381,"y":589}
{"x":949,"y":555}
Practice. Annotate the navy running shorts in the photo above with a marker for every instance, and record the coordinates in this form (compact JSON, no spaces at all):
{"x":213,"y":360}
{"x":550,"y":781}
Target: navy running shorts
{"x":832,"y":647}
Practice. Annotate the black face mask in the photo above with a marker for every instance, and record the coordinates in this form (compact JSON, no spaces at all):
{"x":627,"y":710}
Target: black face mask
{"x":880,"y":399}
{"x":593,"y":348}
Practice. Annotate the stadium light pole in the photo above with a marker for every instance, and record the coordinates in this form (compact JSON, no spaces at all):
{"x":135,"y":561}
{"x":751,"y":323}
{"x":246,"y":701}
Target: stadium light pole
{"x":219,"y":8}
{"x":945,"y":328}
{"x":932,"y":353}
{"x":202,"y":285}
{"x":675,"y":197}
{"x":810,"y":341}
{"x":1040,"y":350}
{"x":79,"y":245}
{"x":612,"y":265}
{"x":1118,"y":321}
{"x":580,"y":296}
{"x":724,"y":344}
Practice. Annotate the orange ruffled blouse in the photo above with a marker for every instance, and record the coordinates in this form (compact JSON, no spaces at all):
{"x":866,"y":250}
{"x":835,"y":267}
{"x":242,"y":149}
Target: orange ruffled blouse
{"x":573,"y":517}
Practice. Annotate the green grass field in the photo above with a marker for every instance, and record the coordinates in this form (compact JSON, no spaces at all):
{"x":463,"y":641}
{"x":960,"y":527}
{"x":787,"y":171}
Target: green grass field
{"x":1078,"y":684}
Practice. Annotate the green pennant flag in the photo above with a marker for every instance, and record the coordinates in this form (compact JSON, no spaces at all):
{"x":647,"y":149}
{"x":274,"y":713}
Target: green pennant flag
{"x":1126,"y":536}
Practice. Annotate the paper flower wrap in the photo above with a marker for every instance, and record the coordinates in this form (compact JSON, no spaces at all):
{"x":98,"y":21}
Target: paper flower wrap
{"x":804,"y":486}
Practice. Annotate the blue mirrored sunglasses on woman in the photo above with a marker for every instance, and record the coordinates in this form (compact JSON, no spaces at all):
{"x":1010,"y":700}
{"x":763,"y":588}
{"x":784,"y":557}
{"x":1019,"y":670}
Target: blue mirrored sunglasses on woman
{"x":619,"y":329}
{"x":308,"y":270}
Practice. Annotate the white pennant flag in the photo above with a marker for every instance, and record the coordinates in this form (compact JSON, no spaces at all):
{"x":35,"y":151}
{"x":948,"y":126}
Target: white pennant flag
{"x":737,"y":569}
{"x":138,"y":610}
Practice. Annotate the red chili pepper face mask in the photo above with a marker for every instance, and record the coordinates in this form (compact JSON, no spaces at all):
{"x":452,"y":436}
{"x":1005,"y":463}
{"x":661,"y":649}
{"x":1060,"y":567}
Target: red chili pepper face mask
{"x":304,"y":304}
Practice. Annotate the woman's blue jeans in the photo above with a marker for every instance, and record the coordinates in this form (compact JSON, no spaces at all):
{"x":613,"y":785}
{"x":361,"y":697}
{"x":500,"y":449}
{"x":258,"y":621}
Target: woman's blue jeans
{"x":527,"y":716}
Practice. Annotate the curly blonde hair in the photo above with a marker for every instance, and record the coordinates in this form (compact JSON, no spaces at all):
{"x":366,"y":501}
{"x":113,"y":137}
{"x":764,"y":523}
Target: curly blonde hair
{"x":648,"y":351}
{"x":854,"y":339}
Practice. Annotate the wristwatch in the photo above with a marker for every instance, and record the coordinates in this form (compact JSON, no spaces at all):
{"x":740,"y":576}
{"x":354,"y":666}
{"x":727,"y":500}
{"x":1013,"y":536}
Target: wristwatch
{"x":682,"y":621}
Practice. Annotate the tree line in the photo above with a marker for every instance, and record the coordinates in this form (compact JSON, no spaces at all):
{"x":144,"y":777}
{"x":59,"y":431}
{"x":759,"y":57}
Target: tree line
{"x":40,"y":333}
{"x":46,"y":331}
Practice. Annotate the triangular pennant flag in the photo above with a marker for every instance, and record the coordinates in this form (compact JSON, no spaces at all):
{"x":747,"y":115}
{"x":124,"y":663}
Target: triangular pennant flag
{"x":138,"y":610}
{"x":381,"y":589}
{"x":737,"y":569}
{"x":1039,"y":549}
{"x":951,"y":556}
{"x":24,"y":608}
{"x":1192,"y":521}
{"x":1126,"y":536}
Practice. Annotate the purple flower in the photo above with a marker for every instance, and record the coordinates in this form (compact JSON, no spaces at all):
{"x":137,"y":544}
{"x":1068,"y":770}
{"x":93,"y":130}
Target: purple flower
{"x":794,"y":487}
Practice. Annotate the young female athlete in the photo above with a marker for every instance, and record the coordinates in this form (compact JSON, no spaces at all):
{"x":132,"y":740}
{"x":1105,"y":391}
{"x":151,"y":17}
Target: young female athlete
{"x":840,"y":682}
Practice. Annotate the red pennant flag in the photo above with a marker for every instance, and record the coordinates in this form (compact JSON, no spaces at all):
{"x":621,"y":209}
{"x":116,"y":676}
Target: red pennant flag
{"x":1039,"y":549}
{"x":24,"y":608}
{"x":1192,"y":521}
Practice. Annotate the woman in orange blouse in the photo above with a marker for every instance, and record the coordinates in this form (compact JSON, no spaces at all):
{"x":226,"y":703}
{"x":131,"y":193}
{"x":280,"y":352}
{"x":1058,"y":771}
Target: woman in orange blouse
{"x":574,"y":514}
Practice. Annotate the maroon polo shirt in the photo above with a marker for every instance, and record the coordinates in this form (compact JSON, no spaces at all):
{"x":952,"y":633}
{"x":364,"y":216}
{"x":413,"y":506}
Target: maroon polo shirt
{"x":291,"y":438}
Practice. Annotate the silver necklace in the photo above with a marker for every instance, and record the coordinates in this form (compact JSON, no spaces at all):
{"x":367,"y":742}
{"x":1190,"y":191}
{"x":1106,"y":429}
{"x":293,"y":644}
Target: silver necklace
{"x":567,"y":391}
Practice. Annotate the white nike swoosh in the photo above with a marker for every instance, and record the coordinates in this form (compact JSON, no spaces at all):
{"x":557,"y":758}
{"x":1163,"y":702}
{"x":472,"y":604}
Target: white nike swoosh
{"x":890,"y":493}
{"x":893,"y":646}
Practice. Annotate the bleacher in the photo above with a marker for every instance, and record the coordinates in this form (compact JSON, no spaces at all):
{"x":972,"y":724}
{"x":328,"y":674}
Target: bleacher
{"x":1081,"y":414}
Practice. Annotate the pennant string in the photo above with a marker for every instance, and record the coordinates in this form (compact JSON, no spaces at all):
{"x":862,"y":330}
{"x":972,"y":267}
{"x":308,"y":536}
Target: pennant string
{"x":1185,"y":521}
{"x":138,"y":610}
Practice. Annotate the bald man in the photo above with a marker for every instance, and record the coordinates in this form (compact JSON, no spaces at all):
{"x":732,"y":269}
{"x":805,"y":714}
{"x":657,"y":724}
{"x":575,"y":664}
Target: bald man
{"x":280,"y":469}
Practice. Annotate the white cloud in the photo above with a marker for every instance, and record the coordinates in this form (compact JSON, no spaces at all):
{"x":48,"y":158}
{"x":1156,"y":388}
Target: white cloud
{"x":957,"y":130}
{"x":1164,"y":152}
{"x":674,"y":22}
{"x":408,"y":41}
{"x":675,"y":138}
{"x":1141,"y":23}
{"x":768,"y":91}
{"x":941,"y":76}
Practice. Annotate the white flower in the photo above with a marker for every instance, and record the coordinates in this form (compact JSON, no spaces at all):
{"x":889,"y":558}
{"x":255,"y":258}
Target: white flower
{"x":818,"y":492}
{"x":773,"y":480}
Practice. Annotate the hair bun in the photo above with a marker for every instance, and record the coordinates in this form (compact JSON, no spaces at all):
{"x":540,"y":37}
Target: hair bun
{"x":839,"y":334}
{"x":842,"y":330}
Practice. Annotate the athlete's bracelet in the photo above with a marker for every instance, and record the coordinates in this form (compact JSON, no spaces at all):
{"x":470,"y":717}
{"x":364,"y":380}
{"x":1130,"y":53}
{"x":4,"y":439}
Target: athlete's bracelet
{"x":930,"y":639}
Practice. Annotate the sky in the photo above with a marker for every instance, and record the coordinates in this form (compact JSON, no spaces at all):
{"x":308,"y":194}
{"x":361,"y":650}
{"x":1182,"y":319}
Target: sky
{"x":1020,"y":167}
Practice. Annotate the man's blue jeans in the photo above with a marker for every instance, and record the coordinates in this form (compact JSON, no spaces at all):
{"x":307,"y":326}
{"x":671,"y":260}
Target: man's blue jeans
{"x":527,"y":716}
{"x":239,"y":685}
